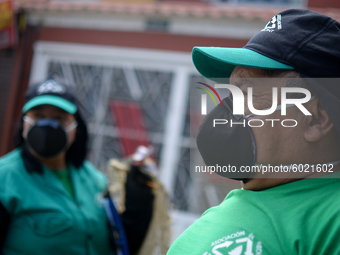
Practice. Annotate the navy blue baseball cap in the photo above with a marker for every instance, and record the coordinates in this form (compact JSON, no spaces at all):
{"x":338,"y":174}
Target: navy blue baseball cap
{"x":51,"y":92}
{"x":298,"y":39}
{"x":295,"y":39}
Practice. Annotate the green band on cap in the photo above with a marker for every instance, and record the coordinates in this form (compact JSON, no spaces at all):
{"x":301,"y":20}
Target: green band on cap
{"x":216,"y":62}
{"x":50,"y":100}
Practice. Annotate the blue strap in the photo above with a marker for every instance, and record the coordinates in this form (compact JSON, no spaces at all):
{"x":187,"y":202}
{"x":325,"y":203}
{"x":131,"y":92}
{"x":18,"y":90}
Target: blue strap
{"x":116,"y":227}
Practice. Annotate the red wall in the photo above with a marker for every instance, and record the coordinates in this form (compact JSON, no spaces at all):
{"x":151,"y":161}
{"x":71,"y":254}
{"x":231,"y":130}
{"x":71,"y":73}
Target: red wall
{"x":147,"y":40}
{"x":324,"y":3}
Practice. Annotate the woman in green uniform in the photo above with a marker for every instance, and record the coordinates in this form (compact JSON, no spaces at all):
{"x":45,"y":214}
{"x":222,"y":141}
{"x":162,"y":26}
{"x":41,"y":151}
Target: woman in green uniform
{"x":50,"y":196}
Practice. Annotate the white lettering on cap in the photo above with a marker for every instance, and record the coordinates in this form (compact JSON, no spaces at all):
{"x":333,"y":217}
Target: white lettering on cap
{"x":274,"y":23}
{"x":50,"y":86}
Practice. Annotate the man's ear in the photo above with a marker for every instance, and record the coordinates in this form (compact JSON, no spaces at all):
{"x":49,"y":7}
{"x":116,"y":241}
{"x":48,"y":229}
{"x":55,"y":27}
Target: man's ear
{"x":319,"y":123}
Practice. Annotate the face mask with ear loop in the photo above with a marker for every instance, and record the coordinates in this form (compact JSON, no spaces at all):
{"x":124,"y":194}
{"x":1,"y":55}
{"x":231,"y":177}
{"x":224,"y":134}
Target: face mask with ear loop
{"x":47,"y":137}
{"x":228,"y":146}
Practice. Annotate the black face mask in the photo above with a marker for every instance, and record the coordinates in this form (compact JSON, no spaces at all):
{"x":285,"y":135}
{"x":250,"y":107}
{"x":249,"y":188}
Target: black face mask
{"x":46,"y":137}
{"x":225,"y":145}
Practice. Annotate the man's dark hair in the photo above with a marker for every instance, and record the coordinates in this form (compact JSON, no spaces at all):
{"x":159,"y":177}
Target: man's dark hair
{"x":292,"y":79}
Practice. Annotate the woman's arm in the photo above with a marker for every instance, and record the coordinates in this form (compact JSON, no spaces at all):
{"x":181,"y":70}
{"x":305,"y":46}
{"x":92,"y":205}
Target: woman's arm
{"x":4,"y":225}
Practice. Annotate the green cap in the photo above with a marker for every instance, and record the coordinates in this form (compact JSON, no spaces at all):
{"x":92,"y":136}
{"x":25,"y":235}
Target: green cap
{"x":50,"y":100}
{"x":217,"y":62}
{"x":51,"y":92}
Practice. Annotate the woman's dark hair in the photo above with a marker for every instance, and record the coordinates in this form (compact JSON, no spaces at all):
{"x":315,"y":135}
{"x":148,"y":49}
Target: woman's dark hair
{"x":75,"y":155}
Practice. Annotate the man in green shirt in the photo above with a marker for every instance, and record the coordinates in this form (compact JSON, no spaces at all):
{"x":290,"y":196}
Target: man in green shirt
{"x":292,"y":209}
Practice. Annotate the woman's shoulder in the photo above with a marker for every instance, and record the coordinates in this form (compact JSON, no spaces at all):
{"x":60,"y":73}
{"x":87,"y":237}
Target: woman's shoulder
{"x":12,"y":175}
{"x":10,"y":157}
{"x":11,"y":162}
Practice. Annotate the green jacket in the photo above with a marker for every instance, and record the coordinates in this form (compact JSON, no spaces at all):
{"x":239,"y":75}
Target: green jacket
{"x":45,"y":219}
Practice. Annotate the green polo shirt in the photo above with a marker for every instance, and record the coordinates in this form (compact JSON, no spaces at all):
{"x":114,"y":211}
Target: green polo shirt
{"x":45,"y":218}
{"x":301,"y":217}
{"x":65,"y":178}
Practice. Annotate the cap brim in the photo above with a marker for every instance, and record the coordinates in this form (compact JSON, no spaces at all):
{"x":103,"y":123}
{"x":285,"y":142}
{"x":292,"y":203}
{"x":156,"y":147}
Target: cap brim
{"x":216,"y":62}
{"x":50,"y":100}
